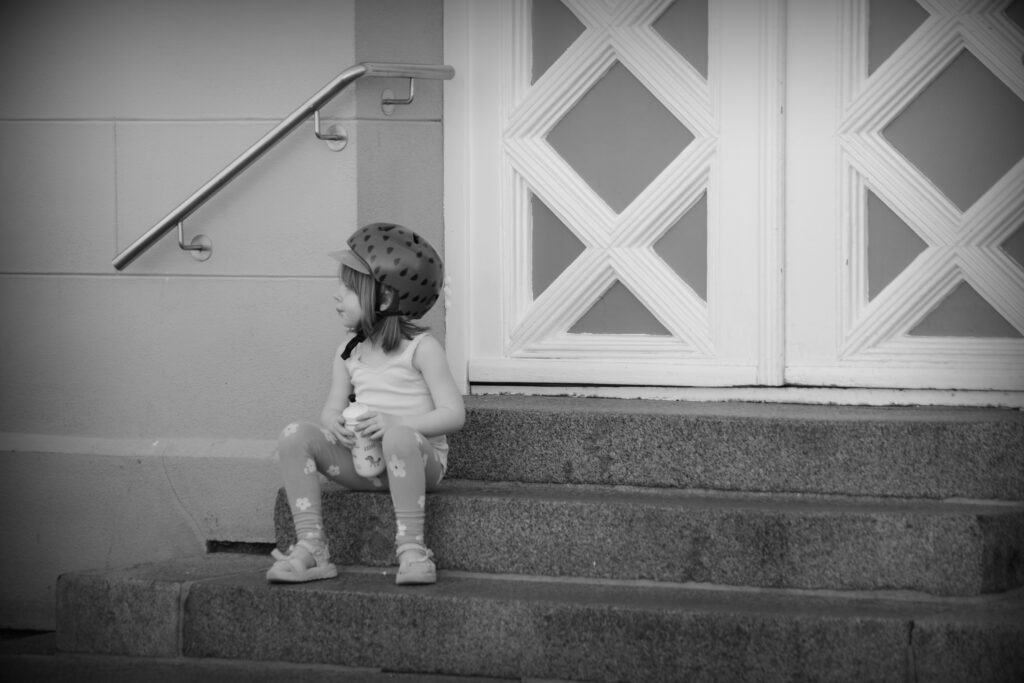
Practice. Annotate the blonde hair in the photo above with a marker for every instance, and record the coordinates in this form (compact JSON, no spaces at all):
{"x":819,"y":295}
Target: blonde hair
{"x":381,"y":328}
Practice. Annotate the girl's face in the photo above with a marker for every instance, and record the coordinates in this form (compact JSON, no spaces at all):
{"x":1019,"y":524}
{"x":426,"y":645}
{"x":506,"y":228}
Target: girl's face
{"x":346,"y":303}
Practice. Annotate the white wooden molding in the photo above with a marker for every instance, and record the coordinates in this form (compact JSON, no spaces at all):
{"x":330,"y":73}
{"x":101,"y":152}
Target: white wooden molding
{"x":617,"y":247}
{"x":771,"y":231}
{"x":962,"y":246}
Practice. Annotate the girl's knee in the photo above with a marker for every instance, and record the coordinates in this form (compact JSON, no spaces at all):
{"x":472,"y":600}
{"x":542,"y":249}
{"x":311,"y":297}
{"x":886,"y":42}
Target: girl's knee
{"x":401,"y":441}
{"x":297,"y":438}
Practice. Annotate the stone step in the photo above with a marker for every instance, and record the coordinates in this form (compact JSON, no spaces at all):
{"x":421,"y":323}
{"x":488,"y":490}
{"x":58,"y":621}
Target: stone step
{"x":220,"y":607}
{"x":893,"y":451}
{"x":740,"y":539}
{"x":24,"y":662}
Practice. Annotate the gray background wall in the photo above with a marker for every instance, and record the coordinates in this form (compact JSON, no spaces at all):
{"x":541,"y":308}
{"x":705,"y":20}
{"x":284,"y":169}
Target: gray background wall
{"x":139,"y":409}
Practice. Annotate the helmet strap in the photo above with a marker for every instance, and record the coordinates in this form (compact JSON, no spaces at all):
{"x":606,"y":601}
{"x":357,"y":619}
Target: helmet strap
{"x":352,"y":344}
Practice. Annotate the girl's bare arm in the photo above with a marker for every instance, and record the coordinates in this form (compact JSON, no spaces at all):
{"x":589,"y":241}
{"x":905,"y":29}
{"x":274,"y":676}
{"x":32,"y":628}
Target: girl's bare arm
{"x":337,"y":401}
{"x":449,"y":412}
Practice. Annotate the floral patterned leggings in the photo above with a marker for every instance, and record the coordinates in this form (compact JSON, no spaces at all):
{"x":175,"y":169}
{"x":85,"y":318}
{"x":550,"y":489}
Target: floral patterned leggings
{"x":413,"y":469}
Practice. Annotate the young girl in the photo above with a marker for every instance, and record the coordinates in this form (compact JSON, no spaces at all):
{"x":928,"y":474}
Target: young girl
{"x":388,"y":276}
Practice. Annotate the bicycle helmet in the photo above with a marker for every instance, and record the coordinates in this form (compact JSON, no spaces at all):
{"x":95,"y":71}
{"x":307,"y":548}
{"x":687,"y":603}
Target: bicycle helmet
{"x":395,"y":256}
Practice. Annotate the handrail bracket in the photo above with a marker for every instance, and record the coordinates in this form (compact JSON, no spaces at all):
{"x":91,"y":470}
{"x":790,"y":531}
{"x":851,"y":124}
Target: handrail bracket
{"x":336,"y":139}
{"x":201,"y":247}
{"x":388,"y":99}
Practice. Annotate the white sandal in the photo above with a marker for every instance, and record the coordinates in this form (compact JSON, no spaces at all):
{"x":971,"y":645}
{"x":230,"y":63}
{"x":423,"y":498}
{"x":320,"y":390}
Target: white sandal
{"x":293,"y":567}
{"x":415,"y":568}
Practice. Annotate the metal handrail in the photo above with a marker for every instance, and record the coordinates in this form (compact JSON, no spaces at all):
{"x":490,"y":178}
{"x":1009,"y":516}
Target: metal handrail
{"x":312,"y":106}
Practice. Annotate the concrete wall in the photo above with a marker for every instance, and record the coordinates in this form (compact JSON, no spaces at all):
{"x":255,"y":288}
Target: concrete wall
{"x":139,"y":409}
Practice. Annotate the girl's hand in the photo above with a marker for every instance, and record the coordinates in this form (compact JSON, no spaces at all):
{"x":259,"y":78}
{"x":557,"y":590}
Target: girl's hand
{"x":372,"y":425}
{"x":336,"y":431}
{"x":346,"y":437}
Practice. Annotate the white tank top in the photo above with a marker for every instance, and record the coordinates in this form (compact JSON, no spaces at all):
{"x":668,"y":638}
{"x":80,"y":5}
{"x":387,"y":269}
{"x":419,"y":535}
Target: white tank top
{"x":394,"y":387}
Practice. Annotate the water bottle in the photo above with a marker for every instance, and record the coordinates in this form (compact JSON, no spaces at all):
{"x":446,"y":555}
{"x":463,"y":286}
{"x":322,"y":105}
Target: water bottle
{"x":366,"y":453}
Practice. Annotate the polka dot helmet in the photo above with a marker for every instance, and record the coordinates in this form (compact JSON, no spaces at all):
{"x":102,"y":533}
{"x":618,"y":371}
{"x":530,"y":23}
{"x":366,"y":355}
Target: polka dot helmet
{"x":396,"y":256}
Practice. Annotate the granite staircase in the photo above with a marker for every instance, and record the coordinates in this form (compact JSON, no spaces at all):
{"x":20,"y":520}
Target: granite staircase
{"x":612,"y":540}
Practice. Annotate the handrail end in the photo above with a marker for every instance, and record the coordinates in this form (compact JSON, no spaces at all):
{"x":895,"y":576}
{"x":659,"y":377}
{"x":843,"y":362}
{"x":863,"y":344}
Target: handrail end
{"x":441,"y":72}
{"x":121,"y":262}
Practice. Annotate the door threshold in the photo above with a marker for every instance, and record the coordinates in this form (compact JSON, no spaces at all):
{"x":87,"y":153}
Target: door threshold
{"x":809,"y":395}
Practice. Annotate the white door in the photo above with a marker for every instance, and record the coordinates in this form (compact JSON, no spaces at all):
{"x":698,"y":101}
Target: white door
{"x":618,"y":309}
{"x":916,"y":150}
{"x":849,"y":236}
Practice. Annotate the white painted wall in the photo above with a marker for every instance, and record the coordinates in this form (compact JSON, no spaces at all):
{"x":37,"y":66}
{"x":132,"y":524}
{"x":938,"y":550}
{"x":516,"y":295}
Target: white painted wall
{"x":139,"y":409}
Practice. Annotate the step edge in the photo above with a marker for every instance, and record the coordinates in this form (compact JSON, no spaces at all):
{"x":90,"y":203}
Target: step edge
{"x":143,"y":574}
{"x":693,"y":498}
{"x":984,"y":605}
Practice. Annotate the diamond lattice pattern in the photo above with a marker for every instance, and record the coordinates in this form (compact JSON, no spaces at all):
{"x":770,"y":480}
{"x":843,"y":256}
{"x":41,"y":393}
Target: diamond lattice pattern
{"x":637,"y":137}
{"x":618,"y":218}
{"x":936,"y":129}
{"x":964,"y":131}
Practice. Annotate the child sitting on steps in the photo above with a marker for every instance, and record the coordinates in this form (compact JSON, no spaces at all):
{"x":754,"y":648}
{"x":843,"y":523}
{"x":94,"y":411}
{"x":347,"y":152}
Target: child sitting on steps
{"x":389,"y":276}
